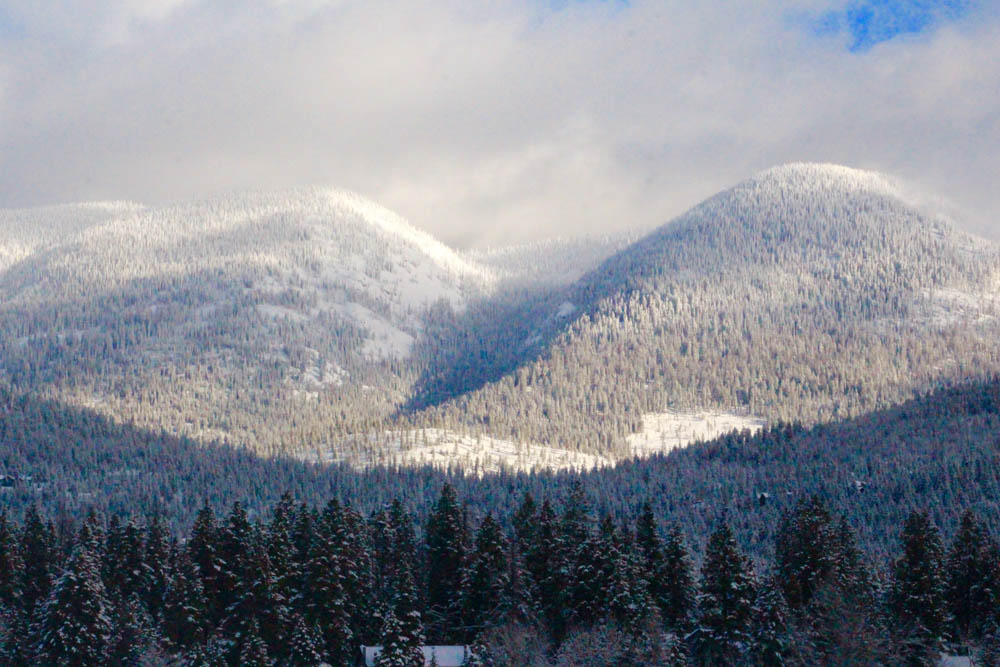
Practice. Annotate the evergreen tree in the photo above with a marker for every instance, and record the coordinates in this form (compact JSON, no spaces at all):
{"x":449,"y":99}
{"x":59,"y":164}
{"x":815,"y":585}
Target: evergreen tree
{"x":487,"y":587}
{"x":548,"y":570}
{"x":10,"y":563}
{"x":134,"y":633}
{"x":304,"y":646}
{"x":445,"y":539}
{"x":203,"y":549}
{"x":398,"y":648}
{"x":769,"y":642}
{"x":184,"y":618}
{"x":726,"y":601}
{"x":667,"y":569}
{"x":805,"y":551}
{"x":325,"y":598}
{"x":252,"y":648}
{"x":156,"y":564}
{"x":75,"y":624}
{"x":257,"y":609}
{"x":973,"y":588}
{"x":38,"y":555}
{"x":917,"y":593}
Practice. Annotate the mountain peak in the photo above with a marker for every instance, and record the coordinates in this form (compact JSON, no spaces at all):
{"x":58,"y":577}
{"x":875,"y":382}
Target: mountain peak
{"x":816,"y":178}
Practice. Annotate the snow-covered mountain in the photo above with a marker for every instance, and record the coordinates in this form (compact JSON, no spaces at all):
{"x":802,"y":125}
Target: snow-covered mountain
{"x":314,"y":321}
{"x":808,"y":292}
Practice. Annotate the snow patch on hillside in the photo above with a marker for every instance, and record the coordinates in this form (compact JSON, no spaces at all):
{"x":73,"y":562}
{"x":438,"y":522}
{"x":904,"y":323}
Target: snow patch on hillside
{"x":945,"y":307}
{"x":482,"y":454}
{"x":443,"y":448}
{"x":665,"y":431}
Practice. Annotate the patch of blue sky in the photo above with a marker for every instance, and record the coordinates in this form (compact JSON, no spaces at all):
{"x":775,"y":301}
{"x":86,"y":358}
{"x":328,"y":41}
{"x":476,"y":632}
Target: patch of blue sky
{"x":871,"y":22}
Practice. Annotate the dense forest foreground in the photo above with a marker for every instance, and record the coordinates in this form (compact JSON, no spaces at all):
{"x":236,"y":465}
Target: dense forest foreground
{"x":306,"y":585}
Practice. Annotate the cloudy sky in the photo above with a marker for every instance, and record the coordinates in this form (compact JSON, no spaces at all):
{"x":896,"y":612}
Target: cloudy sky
{"x":489,"y":121}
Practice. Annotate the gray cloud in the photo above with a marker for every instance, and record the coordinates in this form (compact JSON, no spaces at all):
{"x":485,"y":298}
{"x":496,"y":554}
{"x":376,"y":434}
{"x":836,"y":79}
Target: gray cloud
{"x":483,"y":122}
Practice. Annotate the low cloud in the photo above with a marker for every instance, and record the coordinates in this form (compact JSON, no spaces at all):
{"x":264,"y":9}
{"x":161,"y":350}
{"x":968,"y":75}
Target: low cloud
{"x":486,"y":122}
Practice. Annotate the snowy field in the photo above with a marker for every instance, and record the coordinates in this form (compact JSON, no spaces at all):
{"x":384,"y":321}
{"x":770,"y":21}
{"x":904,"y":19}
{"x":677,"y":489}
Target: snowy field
{"x":664,"y":431}
{"x":443,"y":448}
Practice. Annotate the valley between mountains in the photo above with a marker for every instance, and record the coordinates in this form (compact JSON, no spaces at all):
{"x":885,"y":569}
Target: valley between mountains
{"x":316,"y":324}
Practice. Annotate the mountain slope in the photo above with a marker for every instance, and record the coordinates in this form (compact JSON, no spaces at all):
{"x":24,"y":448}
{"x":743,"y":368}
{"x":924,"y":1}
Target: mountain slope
{"x":808,"y":292}
{"x":226,"y":318}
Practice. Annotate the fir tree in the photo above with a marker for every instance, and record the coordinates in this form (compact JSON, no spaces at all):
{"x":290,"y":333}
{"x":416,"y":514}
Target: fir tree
{"x":203,"y":549}
{"x":38,"y":555}
{"x":805,"y":551}
{"x":917,"y":593}
{"x":548,"y":569}
{"x":973,"y":589}
{"x":75,"y":625}
{"x":304,"y":645}
{"x":398,"y":648}
{"x":486,"y":589}
{"x":668,"y":570}
{"x":134,"y":634}
{"x":445,"y":538}
{"x":184,"y":618}
{"x":156,"y":564}
{"x":10,"y":563}
{"x":252,"y":648}
{"x":726,"y":601}
{"x":769,"y":641}
{"x":325,"y":598}
{"x":257,"y":608}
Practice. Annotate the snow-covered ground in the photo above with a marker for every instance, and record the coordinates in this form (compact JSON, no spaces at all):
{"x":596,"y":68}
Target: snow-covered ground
{"x":945,"y":307}
{"x":664,"y":431}
{"x":443,"y":448}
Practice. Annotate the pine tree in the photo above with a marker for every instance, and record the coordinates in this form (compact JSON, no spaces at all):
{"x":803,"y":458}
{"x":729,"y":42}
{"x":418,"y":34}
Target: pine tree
{"x":667,"y":569}
{"x":184,"y":618}
{"x":257,"y":609}
{"x":549,"y":571}
{"x":445,"y":539}
{"x":486,"y":589}
{"x":325,"y":598}
{"x":75,"y":625}
{"x":398,"y":648}
{"x":726,"y":601}
{"x":252,"y":649}
{"x":973,"y":589}
{"x":38,"y":555}
{"x":805,"y":551}
{"x":917,"y":593}
{"x":156,"y":564}
{"x":134,"y":634}
{"x":203,"y":549}
{"x":769,"y":642}
{"x":304,"y":646}
{"x":10,"y":564}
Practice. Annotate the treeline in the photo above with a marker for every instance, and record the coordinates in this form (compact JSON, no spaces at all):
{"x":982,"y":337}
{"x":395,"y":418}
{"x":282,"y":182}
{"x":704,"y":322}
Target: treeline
{"x":304,"y":585}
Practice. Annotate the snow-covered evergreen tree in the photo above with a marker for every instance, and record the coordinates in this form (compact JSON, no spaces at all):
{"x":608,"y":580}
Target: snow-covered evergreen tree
{"x":917,"y":591}
{"x":399,"y":649}
{"x":75,"y":623}
{"x":184,"y":619}
{"x":725,"y":604}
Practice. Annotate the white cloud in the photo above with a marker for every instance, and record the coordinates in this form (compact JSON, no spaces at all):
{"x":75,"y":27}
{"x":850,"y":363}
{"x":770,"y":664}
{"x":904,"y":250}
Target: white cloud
{"x":483,"y":121}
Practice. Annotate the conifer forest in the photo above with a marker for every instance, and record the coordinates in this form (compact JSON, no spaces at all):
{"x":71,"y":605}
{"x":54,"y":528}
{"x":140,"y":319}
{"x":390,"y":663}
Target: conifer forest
{"x":289,"y":428}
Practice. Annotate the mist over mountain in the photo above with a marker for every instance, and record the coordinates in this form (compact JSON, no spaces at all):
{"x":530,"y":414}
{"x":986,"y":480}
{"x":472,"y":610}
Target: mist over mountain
{"x":313,"y":320}
{"x":808,"y":292}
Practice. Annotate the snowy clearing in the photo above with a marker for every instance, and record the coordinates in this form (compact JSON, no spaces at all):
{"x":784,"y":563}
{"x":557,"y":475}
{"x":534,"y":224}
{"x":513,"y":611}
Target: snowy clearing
{"x":665,"y":431}
{"x":444,"y":448}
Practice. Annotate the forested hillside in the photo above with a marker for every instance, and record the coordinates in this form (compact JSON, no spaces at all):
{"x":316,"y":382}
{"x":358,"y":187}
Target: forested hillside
{"x":940,"y":452}
{"x":314,"y":323}
{"x":809,"y":292}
